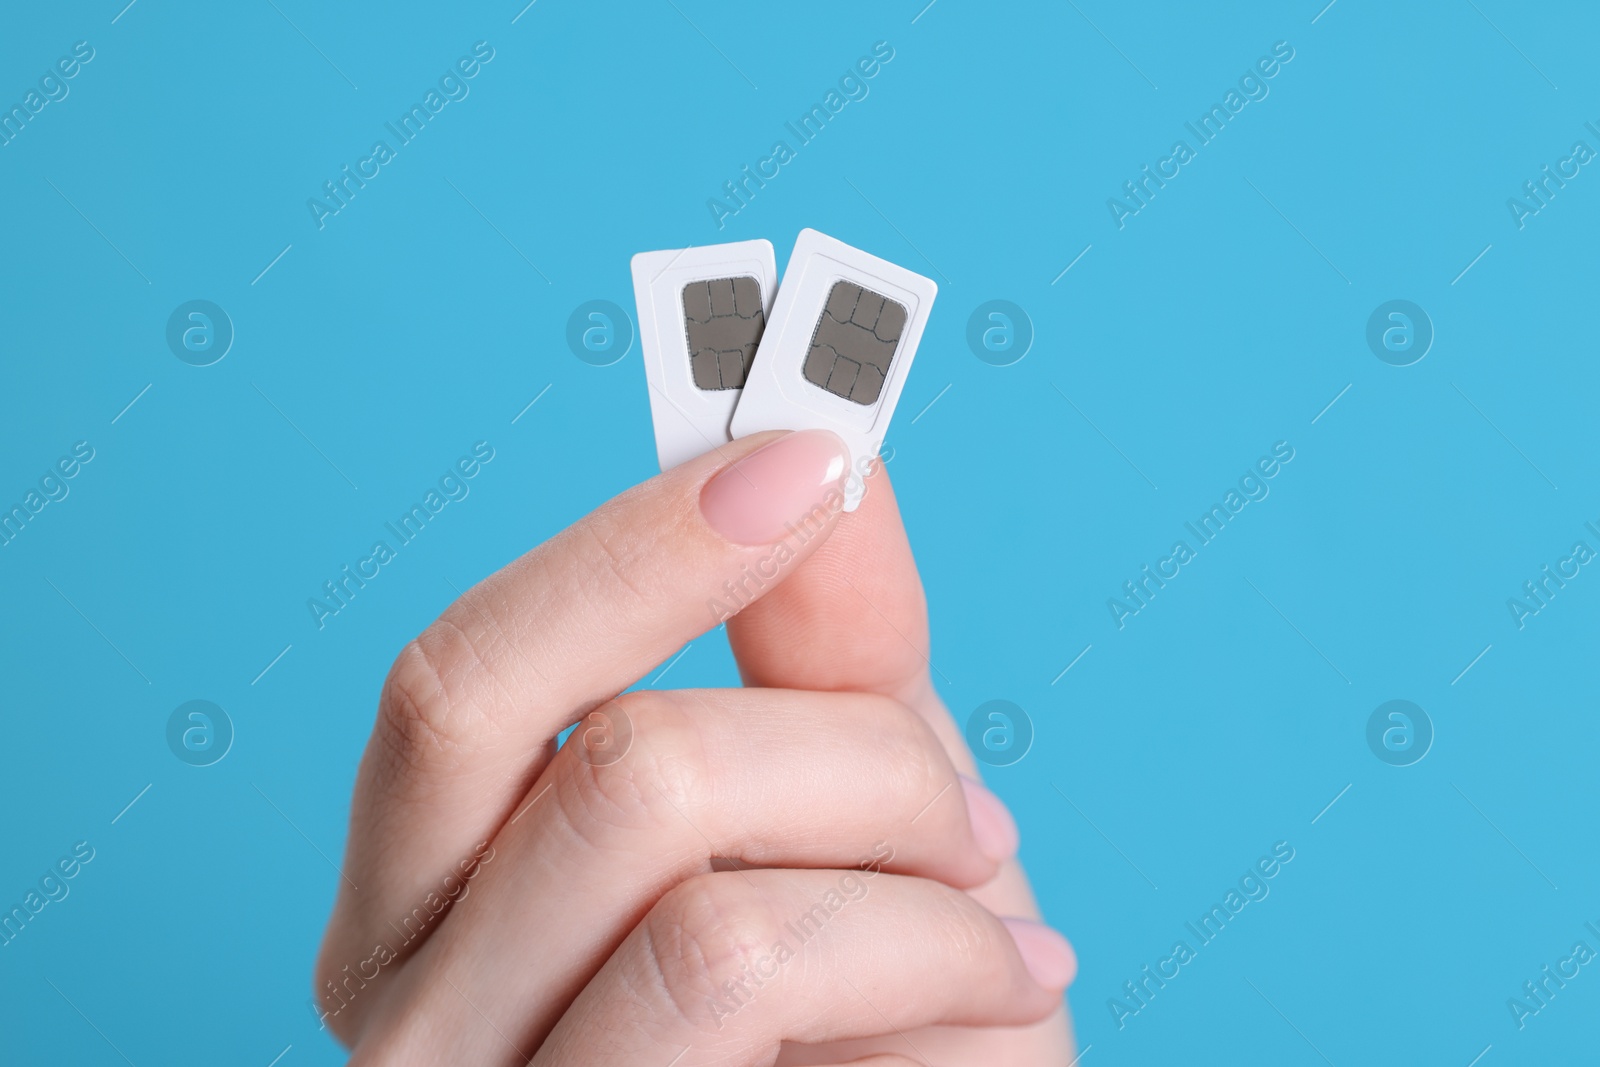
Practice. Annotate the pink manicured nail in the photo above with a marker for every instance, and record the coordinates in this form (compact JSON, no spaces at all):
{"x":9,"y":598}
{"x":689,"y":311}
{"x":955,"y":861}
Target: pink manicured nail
{"x":1046,"y":953}
{"x":993,"y":828}
{"x":753,"y":501}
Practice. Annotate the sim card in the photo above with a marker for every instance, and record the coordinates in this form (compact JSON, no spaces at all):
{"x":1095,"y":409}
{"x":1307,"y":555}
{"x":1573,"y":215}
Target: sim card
{"x":701,"y":316}
{"x":837,"y":349}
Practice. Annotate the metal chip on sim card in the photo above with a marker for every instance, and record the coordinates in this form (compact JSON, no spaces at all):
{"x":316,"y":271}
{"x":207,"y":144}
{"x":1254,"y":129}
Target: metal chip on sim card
{"x":702,"y":313}
{"x":837,"y":349}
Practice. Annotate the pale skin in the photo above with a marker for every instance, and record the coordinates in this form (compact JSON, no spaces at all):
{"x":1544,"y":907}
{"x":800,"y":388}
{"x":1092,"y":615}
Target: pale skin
{"x":522,"y":905}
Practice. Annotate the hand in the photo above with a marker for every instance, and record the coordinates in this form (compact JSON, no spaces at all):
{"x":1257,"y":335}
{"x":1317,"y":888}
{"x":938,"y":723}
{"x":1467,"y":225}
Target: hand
{"x":781,"y":873}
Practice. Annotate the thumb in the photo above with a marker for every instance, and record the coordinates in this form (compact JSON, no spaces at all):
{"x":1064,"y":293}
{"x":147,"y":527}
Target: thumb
{"x":851,"y":617}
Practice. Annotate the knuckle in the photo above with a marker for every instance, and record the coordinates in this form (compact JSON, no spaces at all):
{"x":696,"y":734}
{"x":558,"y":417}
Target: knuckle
{"x":908,"y":746}
{"x":968,"y":930}
{"x":701,"y":936}
{"x":424,"y":717}
{"x":660,"y":775}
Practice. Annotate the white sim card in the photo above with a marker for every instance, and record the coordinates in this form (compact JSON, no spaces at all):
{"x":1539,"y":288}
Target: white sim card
{"x":837,"y":348}
{"x":701,"y":315}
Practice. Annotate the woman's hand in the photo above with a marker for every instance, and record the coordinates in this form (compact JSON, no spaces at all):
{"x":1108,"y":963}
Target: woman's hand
{"x":795,"y":872}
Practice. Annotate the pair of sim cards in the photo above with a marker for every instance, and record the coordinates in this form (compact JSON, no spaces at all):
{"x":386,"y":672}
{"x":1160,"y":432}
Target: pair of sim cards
{"x":728,"y":352}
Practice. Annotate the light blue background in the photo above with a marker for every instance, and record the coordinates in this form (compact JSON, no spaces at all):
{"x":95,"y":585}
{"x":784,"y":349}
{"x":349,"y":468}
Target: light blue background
{"x":1213,"y":325}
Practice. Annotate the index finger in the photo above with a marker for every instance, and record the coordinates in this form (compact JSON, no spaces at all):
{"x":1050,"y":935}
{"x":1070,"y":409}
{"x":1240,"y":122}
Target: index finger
{"x":472,"y":706}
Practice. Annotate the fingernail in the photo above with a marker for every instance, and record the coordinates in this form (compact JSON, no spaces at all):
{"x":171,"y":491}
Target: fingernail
{"x":752,"y":501}
{"x":993,"y":828}
{"x":1047,"y":955}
